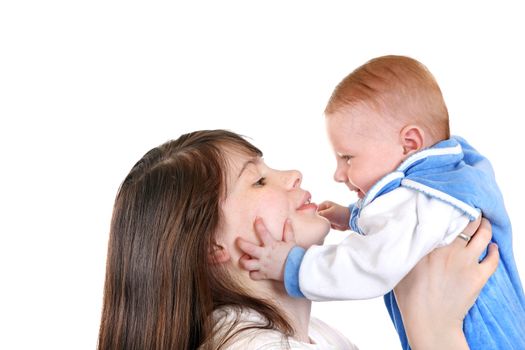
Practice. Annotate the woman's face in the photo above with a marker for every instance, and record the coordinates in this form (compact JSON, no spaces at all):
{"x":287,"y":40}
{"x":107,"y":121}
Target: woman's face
{"x":256,"y":190}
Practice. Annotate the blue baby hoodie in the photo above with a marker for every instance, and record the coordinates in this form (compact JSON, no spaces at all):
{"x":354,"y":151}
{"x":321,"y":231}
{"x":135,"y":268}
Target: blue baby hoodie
{"x":453,"y":171}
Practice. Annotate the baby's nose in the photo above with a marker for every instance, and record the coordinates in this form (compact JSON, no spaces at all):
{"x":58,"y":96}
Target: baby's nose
{"x":340,"y":176}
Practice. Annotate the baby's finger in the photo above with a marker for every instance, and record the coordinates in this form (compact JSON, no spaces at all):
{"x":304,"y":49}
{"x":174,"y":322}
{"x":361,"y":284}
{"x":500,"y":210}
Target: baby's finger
{"x":249,"y":264}
{"x":339,"y":227}
{"x":249,"y":248}
{"x":324,"y":213}
{"x":263,"y":233}
{"x":257,"y":275}
{"x":288,"y":234}
{"x":324,"y":205}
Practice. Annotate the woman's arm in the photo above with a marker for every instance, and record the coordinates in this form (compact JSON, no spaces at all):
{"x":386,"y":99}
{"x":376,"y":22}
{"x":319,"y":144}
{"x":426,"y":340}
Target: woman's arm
{"x":437,"y":294}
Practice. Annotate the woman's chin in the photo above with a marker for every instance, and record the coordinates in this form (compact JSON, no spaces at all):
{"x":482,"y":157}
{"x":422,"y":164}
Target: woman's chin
{"x":326,"y":224}
{"x":313,"y":233}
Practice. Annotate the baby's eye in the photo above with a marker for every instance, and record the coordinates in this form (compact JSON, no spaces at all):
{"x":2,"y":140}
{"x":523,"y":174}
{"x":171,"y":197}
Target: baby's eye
{"x":261,"y":182}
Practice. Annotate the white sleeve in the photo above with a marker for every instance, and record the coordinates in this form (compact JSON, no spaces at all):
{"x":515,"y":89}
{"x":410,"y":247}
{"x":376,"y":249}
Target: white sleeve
{"x":400,"y":228}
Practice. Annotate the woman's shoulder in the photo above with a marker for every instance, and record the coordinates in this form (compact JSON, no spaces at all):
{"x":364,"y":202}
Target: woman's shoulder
{"x":237,"y":329}
{"x":241,"y":324}
{"x":328,"y":337}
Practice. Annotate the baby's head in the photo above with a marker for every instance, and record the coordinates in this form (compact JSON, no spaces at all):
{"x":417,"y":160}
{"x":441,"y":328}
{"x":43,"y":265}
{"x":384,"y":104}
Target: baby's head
{"x":381,"y":113}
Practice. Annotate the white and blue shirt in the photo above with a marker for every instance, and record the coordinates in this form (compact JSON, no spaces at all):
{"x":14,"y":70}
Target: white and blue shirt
{"x":425,"y":203}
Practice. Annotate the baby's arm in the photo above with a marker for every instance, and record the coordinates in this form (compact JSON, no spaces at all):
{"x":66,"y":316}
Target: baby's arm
{"x":401,"y":227}
{"x":360,"y":267}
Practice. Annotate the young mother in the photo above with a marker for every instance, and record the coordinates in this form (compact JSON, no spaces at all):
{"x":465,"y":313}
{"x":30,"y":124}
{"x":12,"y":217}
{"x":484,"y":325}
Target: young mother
{"x":173,"y":278}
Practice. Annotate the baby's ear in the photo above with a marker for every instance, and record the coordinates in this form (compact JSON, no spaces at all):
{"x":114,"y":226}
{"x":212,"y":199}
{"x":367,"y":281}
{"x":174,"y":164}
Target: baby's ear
{"x":412,"y":139}
{"x":218,"y":254}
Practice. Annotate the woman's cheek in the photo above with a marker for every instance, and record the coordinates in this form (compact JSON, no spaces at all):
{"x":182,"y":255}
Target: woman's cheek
{"x":273,"y":217}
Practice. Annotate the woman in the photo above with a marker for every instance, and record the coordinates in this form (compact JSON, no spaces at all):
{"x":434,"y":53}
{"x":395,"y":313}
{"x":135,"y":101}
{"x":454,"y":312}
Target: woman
{"x":174,"y":280}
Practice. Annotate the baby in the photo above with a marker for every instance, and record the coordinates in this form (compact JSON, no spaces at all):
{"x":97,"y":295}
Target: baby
{"x":418,"y":189}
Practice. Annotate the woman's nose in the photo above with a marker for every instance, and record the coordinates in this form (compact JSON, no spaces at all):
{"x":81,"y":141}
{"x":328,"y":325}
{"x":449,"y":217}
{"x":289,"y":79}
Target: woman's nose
{"x":294,"y":179}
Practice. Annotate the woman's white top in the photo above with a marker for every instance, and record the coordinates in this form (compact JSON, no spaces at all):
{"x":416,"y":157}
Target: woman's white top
{"x":322,"y":336}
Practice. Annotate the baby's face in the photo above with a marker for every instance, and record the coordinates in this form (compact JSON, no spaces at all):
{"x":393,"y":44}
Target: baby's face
{"x":366,"y":148}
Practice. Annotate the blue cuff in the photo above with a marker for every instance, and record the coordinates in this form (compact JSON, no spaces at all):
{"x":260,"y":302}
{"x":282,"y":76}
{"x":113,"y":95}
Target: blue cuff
{"x":354,"y":214}
{"x":351,"y":209}
{"x":291,"y":272}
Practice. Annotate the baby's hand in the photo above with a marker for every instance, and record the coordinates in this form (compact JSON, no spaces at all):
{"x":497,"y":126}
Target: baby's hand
{"x":338,"y":215}
{"x":267,"y":261}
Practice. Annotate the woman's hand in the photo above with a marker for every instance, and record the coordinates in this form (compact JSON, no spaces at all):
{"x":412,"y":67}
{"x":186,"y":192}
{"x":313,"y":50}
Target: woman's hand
{"x":437,"y":294}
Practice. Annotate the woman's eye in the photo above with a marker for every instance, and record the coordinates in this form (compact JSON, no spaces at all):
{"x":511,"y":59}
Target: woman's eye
{"x":261,"y":182}
{"x":346,"y":158}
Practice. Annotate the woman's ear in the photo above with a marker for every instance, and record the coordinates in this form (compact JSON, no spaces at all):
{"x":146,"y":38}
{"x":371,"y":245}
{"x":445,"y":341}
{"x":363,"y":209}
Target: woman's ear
{"x":218,"y":254}
{"x":412,"y":139}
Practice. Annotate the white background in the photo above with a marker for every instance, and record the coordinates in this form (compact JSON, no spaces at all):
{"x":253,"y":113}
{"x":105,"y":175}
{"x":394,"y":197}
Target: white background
{"x":86,"y":88}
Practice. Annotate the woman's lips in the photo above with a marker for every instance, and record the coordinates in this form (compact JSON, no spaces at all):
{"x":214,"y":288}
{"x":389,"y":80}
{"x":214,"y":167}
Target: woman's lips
{"x":308,"y":206}
{"x":306,"y":203}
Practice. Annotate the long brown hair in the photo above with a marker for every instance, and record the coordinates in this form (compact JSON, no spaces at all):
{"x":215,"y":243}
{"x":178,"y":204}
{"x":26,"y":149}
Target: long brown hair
{"x":160,"y":289}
